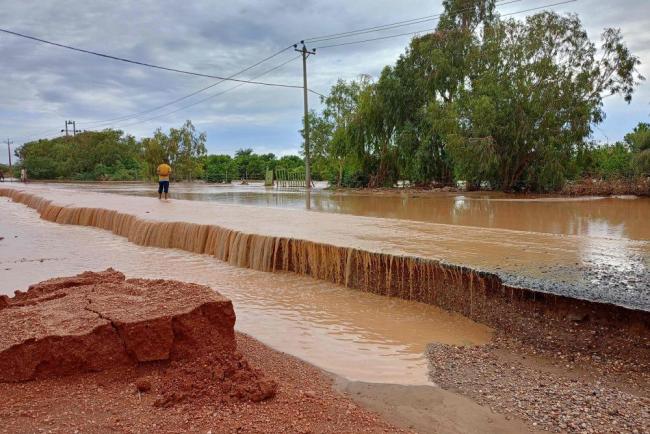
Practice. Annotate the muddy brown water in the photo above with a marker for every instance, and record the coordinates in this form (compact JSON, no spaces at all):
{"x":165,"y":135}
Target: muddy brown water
{"x":357,"y":335}
{"x":621,"y":217}
{"x":395,"y":257}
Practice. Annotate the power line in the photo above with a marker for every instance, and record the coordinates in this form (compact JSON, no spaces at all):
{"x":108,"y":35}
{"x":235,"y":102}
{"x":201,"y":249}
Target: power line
{"x":252,"y":81}
{"x":28,"y":136}
{"x":204,"y":99}
{"x":213,"y":95}
{"x":430,"y":29}
{"x":149,"y":65}
{"x":135,"y":115}
{"x":391,"y":26}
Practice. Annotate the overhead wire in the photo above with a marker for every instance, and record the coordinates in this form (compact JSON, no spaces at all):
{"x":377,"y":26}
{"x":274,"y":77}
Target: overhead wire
{"x":391,"y":26}
{"x":241,"y":82}
{"x":203,"y":89}
{"x":149,"y":65}
{"x":213,"y":95}
{"x":431,"y":29}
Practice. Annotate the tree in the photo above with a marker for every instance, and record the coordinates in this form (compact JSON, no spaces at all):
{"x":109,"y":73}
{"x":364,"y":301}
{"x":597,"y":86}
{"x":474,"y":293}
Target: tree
{"x":182,"y":147}
{"x":92,"y":155}
{"x":535,"y":90}
{"x":639,"y":143}
{"x":504,"y":102}
{"x":331,"y":132}
{"x":190,"y":147}
{"x":216,"y":168}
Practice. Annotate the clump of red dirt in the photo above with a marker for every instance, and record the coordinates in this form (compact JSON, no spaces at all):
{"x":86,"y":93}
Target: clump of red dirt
{"x":183,"y":333}
{"x":228,"y":380}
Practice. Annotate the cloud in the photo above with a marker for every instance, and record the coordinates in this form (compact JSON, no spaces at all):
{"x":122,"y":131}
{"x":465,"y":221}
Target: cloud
{"x":42,"y":86}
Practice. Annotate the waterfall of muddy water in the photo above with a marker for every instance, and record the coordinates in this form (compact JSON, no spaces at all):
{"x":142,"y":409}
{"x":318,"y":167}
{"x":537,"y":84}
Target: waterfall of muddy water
{"x":455,"y":267}
{"x":612,"y":217}
{"x":357,"y":335}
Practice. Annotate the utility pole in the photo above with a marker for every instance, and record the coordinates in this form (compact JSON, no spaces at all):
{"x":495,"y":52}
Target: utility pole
{"x":305,"y":53}
{"x":9,"y":143}
{"x":74,"y":128}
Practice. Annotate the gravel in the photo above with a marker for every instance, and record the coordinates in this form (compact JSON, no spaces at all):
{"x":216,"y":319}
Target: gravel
{"x":560,"y":392}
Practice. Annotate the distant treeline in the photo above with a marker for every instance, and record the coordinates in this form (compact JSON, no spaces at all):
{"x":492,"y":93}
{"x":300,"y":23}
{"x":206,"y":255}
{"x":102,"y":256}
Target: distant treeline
{"x":500,"y":103}
{"x":111,"y":155}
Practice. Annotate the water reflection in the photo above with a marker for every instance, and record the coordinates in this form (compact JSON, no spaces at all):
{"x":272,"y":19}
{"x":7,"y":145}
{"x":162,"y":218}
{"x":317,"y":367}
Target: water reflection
{"x":601,"y":217}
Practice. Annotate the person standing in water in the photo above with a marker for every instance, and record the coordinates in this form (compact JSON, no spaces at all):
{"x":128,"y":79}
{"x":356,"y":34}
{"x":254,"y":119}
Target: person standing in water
{"x":163,"y":172}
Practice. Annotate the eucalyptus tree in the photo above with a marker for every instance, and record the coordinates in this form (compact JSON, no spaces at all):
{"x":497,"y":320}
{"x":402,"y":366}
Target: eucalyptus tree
{"x":535,"y":91}
{"x":479,"y":99}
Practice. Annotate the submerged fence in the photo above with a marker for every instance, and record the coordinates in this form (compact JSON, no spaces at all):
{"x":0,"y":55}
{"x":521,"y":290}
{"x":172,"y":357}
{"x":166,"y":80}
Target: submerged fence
{"x":289,"y":178}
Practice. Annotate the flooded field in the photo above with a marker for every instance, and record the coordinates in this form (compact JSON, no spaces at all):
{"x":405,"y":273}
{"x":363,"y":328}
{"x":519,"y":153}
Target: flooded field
{"x":612,"y":217}
{"x":358,"y":335}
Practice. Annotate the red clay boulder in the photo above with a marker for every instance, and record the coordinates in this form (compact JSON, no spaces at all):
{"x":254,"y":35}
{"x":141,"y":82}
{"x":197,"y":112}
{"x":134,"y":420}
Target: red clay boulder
{"x":94,"y":321}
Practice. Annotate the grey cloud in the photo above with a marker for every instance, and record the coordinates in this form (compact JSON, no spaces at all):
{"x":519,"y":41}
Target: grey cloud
{"x":41,"y":86}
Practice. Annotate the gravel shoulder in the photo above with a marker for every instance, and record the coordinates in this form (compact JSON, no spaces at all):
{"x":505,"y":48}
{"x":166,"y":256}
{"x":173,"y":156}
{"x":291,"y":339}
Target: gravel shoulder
{"x":560,"y":391}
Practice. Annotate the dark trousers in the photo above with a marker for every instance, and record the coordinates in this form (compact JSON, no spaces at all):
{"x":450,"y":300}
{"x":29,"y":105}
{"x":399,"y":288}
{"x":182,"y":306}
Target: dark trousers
{"x":163,"y":186}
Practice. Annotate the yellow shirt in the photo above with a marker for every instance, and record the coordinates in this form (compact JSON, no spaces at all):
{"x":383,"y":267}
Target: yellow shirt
{"x":163,"y":172}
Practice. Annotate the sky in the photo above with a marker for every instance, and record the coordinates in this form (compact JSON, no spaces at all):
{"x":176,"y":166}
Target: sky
{"x":41,"y":86}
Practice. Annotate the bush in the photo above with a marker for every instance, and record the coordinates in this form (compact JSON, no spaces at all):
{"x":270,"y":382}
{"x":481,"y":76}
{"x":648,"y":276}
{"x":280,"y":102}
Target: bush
{"x":356,"y":179}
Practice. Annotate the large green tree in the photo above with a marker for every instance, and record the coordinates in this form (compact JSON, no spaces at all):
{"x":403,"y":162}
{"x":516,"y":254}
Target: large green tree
{"x":504,"y":103}
{"x":183,"y":147}
{"x":536,"y":89}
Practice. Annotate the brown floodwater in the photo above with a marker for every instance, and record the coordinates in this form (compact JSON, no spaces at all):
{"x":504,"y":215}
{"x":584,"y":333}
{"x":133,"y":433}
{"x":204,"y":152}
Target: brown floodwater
{"x":593,"y":267}
{"x":613,"y":217}
{"x":358,"y":335}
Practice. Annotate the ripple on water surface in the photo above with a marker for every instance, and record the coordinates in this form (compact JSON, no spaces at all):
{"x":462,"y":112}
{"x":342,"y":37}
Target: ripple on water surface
{"x":357,"y":335}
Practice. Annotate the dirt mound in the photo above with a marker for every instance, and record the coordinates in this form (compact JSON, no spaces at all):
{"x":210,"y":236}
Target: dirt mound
{"x":210,"y":378}
{"x":96,"y":321}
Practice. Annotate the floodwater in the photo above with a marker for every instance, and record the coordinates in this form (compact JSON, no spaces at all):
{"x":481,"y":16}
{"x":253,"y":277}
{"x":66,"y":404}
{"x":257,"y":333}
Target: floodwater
{"x":592,"y":267}
{"x":354,"y":334}
{"x":624,"y":217}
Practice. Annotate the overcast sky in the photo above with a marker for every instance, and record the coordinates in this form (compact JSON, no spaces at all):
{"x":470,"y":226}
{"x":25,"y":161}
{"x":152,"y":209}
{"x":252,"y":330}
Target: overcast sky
{"x":41,"y":85}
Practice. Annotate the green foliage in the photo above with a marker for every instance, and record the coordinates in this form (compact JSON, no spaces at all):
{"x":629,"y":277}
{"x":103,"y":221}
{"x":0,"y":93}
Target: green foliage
{"x":625,"y":159}
{"x":216,"y":167}
{"x":104,"y":155}
{"x":249,"y":165}
{"x":504,"y":103}
{"x":182,"y":147}
{"x":639,"y":143}
{"x":110,"y":155}
{"x":536,"y":90}
{"x":246,"y":165}
{"x":612,"y":161}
